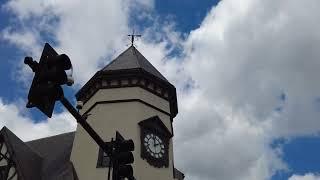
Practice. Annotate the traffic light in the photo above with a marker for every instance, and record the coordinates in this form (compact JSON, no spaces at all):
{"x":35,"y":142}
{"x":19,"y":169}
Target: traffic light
{"x":50,"y":74}
{"x":122,"y":158}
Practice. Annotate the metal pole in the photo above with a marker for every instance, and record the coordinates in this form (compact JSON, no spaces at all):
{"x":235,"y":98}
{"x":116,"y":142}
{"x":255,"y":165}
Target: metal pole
{"x":84,"y":124}
{"x":110,"y":159}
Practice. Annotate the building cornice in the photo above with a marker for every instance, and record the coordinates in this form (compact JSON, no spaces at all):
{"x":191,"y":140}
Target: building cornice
{"x":130,"y":78}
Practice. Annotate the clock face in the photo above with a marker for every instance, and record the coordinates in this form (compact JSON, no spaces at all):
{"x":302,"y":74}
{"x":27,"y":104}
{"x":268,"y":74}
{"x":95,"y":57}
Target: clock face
{"x":154,"y":145}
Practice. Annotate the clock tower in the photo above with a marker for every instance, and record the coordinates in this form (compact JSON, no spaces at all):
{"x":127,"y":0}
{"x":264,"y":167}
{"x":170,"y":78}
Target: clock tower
{"x":132,"y":97}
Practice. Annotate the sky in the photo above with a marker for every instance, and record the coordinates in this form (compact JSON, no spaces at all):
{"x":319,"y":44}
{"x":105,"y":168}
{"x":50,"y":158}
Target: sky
{"x":246,"y":74}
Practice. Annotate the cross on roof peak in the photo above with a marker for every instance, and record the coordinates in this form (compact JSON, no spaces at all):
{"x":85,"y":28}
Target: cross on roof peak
{"x":133,"y":35}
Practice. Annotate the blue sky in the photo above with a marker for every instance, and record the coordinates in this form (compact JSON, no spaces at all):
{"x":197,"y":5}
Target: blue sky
{"x":241,"y":62}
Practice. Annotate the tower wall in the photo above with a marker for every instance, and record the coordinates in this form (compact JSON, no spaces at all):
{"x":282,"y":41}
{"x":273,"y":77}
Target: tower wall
{"x":120,"y":109}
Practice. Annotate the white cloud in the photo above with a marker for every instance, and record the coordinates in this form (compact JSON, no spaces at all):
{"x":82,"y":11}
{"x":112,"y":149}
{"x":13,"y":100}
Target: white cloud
{"x":244,"y":56}
{"x":26,"y":129}
{"x":87,"y":31}
{"x":215,"y":142}
{"x":255,"y":50}
{"x":308,"y":176}
{"x":26,"y":40}
{"x":247,"y":59}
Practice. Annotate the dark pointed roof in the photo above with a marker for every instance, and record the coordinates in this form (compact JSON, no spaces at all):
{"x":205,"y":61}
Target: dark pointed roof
{"x":131,"y":65}
{"x":46,"y":158}
{"x":27,"y":161}
{"x":133,"y":59}
{"x":55,"y":151}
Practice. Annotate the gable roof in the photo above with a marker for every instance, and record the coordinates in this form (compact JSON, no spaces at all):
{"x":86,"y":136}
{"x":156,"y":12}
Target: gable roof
{"x":133,"y":59}
{"x":46,"y":158}
{"x":55,"y":151}
{"x":27,"y":161}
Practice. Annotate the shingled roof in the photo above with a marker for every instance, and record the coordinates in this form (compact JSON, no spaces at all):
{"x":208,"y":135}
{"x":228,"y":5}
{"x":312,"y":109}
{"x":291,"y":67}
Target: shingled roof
{"x":28,"y":163}
{"x":133,"y":59}
{"x":42,"y":159}
{"x":55,"y":152}
{"x":131,"y":67}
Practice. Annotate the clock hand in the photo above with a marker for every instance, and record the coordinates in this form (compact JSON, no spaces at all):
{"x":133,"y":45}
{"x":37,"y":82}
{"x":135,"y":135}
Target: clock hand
{"x":154,"y":142}
{"x":157,"y":143}
{"x":157,"y":147}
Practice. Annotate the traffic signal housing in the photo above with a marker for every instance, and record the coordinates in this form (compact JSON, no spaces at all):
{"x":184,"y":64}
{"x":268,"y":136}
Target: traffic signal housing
{"x":122,"y":158}
{"x":50,"y":74}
